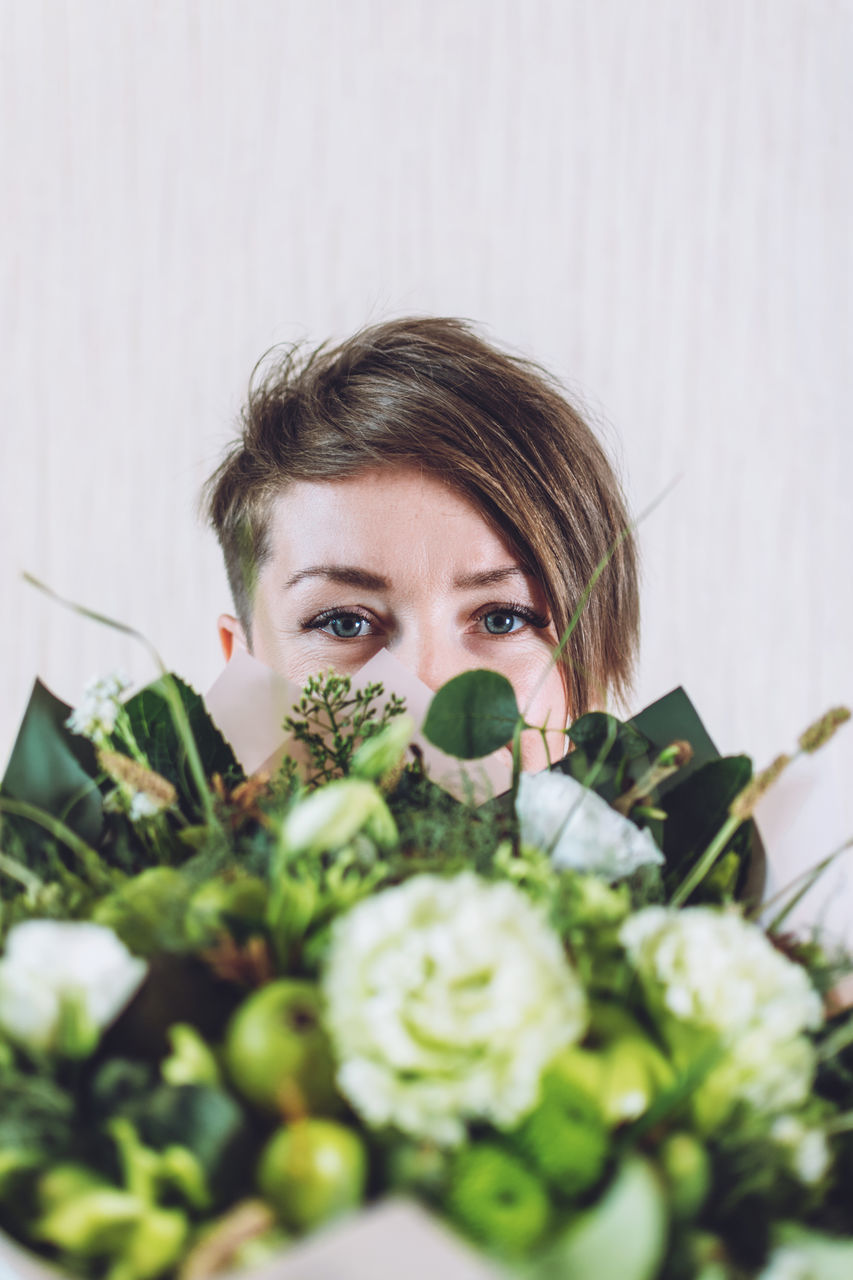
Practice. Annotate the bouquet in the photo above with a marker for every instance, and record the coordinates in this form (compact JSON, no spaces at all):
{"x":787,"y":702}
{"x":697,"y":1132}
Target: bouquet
{"x":235,"y":1008}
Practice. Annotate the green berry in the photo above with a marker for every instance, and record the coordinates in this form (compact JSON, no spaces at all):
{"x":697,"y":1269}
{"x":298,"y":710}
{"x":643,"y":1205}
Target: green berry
{"x":497,"y":1200}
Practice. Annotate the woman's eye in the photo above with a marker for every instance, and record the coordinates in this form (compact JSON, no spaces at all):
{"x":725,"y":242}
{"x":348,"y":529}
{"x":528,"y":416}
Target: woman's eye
{"x":346,"y":626}
{"x":502,"y":622}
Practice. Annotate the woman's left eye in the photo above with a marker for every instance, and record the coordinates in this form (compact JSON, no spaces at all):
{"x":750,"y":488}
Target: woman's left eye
{"x":503,"y":622}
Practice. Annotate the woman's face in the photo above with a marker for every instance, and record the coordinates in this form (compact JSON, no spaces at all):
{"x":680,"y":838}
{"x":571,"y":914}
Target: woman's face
{"x":394,"y":558}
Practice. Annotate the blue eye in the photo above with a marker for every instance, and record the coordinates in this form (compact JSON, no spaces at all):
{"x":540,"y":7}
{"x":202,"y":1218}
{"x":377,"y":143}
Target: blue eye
{"x":346,"y":626}
{"x":502,"y":622}
{"x":507,"y":619}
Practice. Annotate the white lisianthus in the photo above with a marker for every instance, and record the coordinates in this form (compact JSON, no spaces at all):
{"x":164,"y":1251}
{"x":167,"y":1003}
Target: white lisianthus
{"x":95,"y":717}
{"x":334,"y":814}
{"x":62,"y":982}
{"x":446,"y":999}
{"x":580,"y":830}
{"x":713,"y":976}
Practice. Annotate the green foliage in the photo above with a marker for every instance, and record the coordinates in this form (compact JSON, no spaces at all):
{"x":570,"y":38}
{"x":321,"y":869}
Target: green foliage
{"x":472,"y":715}
{"x":696,"y":810}
{"x":54,"y":770}
{"x":332,"y":719}
{"x":157,"y":738}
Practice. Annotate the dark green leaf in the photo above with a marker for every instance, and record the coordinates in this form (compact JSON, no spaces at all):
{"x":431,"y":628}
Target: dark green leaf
{"x":674,"y":718}
{"x":53,"y":769}
{"x":154,"y":729}
{"x":696,"y":810}
{"x":472,"y":715}
{"x":207,"y":1121}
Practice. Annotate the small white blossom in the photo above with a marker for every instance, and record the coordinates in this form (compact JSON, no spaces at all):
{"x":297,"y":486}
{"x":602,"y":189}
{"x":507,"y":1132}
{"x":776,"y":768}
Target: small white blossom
{"x":807,"y":1148}
{"x":144,"y":806}
{"x":50,"y":965}
{"x":580,"y":830}
{"x":711,"y":971}
{"x":95,"y":717}
{"x":446,"y":999}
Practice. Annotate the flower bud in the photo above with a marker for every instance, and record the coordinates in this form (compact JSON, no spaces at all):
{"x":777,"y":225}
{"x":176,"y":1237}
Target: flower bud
{"x":380,"y":758}
{"x":331,"y":816}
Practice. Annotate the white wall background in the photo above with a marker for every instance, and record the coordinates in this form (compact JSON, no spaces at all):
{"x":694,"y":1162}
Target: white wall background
{"x":653,"y":197}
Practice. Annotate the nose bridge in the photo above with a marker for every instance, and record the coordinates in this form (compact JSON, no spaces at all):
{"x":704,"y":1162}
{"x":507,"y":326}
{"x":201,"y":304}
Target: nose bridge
{"x":430,"y":651}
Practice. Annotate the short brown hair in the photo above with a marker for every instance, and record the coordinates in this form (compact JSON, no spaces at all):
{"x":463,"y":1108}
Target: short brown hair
{"x":430,"y":392}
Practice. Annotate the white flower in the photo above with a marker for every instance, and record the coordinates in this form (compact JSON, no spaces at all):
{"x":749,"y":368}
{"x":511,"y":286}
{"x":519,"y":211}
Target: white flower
{"x":807,"y":1255}
{"x":706,"y":970}
{"x":96,"y":716}
{"x":579,"y":829}
{"x":55,"y":968}
{"x":446,"y":998}
{"x":334,"y":814}
{"x":806,"y":1146}
{"x":144,"y":806}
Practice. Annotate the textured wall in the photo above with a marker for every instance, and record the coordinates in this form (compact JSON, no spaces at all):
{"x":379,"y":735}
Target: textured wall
{"x":653,"y":198}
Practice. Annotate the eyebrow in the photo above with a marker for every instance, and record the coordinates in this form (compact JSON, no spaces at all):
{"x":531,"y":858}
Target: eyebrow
{"x":351,"y":576}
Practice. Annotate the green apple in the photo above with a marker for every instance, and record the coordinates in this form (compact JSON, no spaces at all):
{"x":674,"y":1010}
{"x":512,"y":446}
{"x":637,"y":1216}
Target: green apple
{"x":276,"y":1050}
{"x":311,"y":1171}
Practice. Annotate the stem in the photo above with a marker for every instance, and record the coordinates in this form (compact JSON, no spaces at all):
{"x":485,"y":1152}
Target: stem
{"x":656,"y":773}
{"x":516,"y":759}
{"x":810,"y":877}
{"x":706,"y":861}
{"x":17,"y":871}
{"x":840,"y":1124}
{"x":86,"y":855}
{"x":836,"y":1043}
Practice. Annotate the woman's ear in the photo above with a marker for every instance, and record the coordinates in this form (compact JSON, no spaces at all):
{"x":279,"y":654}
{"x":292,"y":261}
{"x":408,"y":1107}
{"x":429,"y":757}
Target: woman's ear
{"x":231,"y":633}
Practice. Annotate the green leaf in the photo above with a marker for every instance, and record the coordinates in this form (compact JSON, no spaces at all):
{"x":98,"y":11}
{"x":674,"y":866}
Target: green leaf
{"x":696,"y":810}
{"x":472,"y":715}
{"x":54,"y":770}
{"x":674,"y":718}
{"x":607,"y":756}
{"x":155,"y":733}
{"x":206,"y":1121}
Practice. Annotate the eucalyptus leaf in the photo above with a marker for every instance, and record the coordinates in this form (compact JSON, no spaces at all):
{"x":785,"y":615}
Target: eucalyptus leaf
{"x":472,"y":715}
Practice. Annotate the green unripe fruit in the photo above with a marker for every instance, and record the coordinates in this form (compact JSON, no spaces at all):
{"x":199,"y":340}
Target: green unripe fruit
{"x":497,"y":1200}
{"x":687,"y":1168}
{"x":312,"y":1171}
{"x":276,"y":1050}
{"x":565,"y":1138}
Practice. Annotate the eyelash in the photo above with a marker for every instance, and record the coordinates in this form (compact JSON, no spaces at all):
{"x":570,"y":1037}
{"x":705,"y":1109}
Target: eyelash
{"x":536,"y":620}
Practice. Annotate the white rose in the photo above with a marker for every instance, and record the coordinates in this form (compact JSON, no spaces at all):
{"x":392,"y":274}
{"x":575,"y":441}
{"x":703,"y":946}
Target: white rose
{"x":709,"y":971}
{"x":580,"y":830}
{"x":61,"y":979}
{"x":446,"y":999}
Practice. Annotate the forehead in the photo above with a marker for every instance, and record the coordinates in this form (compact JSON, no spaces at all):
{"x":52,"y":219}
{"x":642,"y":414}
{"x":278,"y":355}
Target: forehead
{"x":387,"y":518}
